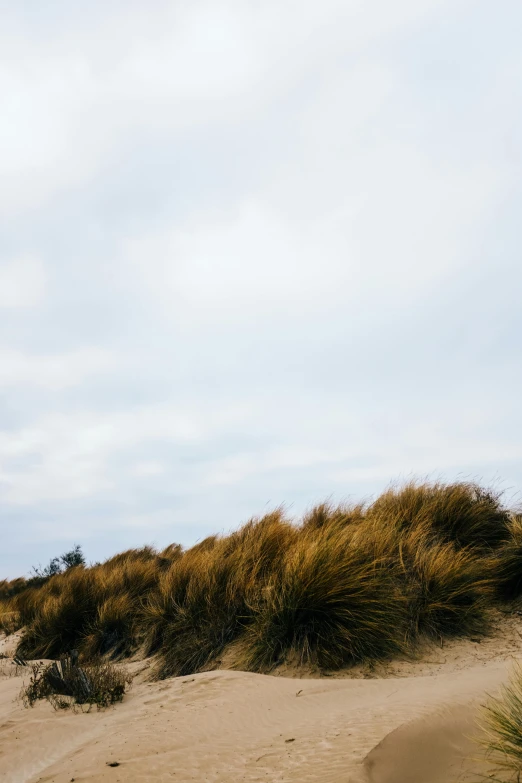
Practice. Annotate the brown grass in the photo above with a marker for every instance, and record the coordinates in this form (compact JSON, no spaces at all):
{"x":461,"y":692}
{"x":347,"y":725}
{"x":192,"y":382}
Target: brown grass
{"x":330,"y":604}
{"x":502,"y":725}
{"x":509,"y":562}
{"x":462,"y":513}
{"x":349,"y":583}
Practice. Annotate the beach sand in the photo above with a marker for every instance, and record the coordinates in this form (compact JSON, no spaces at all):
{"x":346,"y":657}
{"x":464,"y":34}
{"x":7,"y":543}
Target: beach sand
{"x":404,"y":722}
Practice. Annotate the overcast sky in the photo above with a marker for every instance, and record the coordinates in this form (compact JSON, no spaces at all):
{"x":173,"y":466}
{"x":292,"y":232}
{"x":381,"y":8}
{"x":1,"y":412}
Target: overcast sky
{"x":252,"y":253}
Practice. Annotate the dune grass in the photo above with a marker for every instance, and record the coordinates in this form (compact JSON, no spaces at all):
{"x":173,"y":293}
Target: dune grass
{"x":509,"y":560}
{"x":92,"y":609}
{"x":347,"y":583}
{"x":203,"y":602}
{"x":462,"y":513}
{"x":502,"y":725}
{"x":329,"y":604}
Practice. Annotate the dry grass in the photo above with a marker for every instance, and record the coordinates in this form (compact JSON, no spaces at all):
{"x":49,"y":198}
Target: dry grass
{"x":64,"y":684}
{"x":349,"y":583}
{"x":330,"y":604}
{"x":509,"y":562}
{"x":462,"y":513}
{"x":203,"y":600}
{"x":93,"y":609}
{"x":450,"y":590}
{"x":502,"y":723}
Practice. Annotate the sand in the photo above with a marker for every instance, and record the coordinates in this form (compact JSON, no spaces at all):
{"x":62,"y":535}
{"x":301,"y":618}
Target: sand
{"x":407,"y":722}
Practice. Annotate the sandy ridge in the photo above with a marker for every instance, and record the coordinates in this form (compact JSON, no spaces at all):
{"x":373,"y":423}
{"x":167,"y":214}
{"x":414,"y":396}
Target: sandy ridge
{"x":405,"y":723}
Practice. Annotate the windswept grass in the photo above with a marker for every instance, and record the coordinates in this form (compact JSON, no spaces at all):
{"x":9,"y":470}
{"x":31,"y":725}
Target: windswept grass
{"x":203,"y":601}
{"x":95,"y":610}
{"x":330,"y":604}
{"x":450,"y":590}
{"x":502,"y":723}
{"x":462,"y":513}
{"x":348,"y":583}
{"x":509,"y":562}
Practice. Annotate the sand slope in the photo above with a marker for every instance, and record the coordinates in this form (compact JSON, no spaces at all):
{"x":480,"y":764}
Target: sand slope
{"x":408,"y":725}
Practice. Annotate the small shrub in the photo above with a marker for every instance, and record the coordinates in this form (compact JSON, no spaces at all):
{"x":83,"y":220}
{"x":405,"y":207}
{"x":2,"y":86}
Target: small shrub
{"x":57,"y":565}
{"x":65,"y":684}
{"x":73,"y":558}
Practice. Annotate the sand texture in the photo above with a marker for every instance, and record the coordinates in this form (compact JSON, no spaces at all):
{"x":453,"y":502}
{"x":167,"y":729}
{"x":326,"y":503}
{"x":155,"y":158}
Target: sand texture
{"x":408,"y":722}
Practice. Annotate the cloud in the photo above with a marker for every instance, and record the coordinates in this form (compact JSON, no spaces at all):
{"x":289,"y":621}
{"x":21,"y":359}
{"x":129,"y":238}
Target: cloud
{"x":22,"y":282}
{"x":92,"y":95}
{"x":143,"y":469}
{"x":64,"y":456}
{"x":251,"y":253}
{"x":52,"y":372}
{"x":253,"y":262}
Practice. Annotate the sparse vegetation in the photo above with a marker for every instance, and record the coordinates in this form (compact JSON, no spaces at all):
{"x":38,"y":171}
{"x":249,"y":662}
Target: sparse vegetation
{"x":65,"y":684}
{"x":349,"y":583}
{"x":502,"y":723}
{"x":58,"y":565}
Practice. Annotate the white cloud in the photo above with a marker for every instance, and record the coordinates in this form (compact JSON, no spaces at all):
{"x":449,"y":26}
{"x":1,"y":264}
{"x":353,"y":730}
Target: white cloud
{"x":22,"y":282}
{"x":91,"y":89}
{"x":66,"y":456}
{"x":284,"y":219}
{"x":256,"y":261}
{"x":404,"y":457}
{"x":149,"y":468}
{"x":54,"y":372}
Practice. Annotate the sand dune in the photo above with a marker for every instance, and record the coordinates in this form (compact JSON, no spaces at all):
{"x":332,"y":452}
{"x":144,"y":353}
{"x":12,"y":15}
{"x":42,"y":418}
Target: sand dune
{"x":407,"y":723}
{"x":433,"y":749}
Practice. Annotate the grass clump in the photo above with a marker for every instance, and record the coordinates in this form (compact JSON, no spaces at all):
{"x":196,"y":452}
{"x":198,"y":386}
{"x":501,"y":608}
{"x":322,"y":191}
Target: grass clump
{"x":450,"y":591}
{"x":509,"y":563}
{"x":64,"y":605}
{"x":502,"y":724}
{"x":203,"y":601}
{"x":462,"y":513}
{"x":64,"y":684}
{"x":95,"y":610}
{"x":329,"y":605}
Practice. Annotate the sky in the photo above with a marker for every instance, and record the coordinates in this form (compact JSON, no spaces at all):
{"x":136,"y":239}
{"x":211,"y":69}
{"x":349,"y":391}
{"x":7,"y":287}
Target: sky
{"x":252,"y":254}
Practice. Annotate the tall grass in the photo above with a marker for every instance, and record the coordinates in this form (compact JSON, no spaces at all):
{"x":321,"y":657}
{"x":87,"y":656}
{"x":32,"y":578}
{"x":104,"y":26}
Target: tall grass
{"x":450,"y":590}
{"x":509,"y":562}
{"x":348,"y":583}
{"x":502,"y":722}
{"x":203,"y":601}
{"x":92,"y":609}
{"x":329,"y":604}
{"x":462,"y":513}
